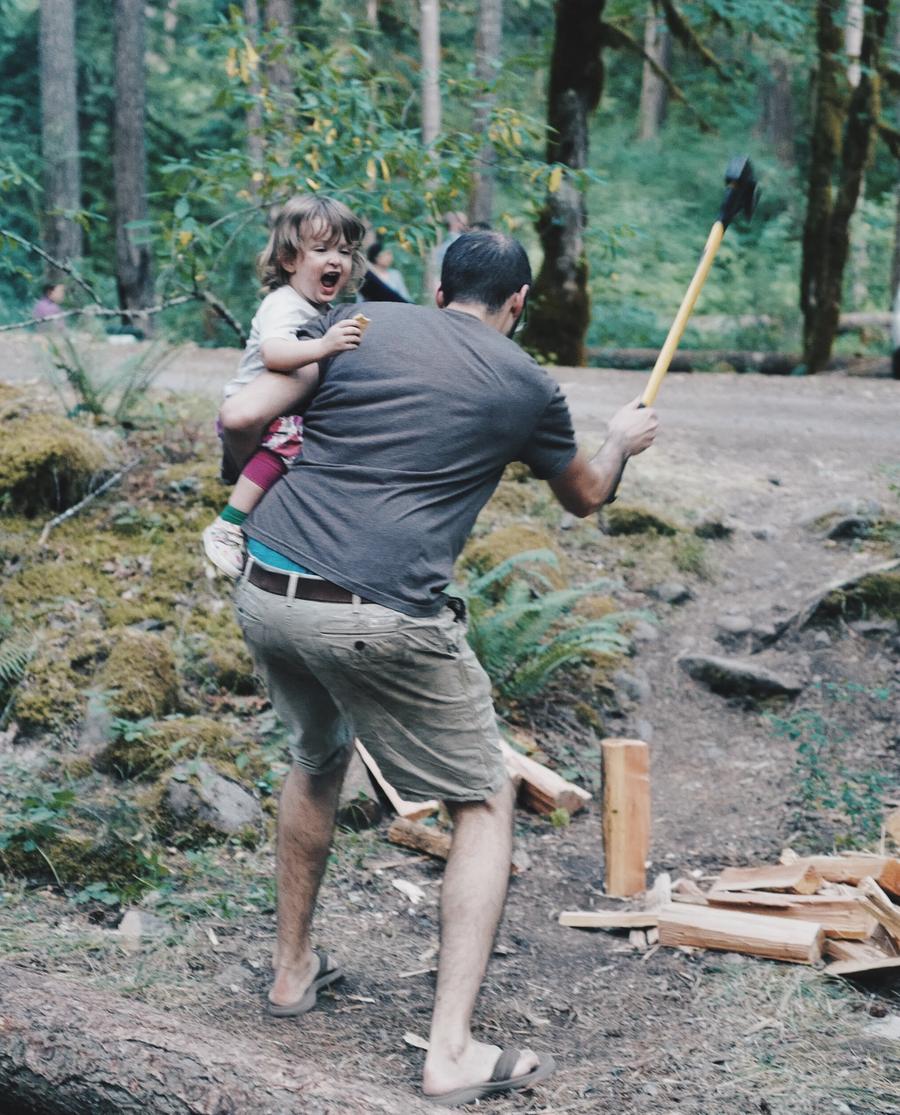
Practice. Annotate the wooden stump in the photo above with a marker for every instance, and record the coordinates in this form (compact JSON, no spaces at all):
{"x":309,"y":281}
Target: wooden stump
{"x":626,"y":815}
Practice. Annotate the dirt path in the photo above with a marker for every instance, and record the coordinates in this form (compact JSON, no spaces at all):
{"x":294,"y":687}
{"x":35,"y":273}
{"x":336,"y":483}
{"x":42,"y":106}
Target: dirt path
{"x":663,"y":1032}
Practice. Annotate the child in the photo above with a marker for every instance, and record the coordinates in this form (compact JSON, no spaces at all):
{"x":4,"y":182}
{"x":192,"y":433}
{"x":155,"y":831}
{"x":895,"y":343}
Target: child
{"x":313,"y":252}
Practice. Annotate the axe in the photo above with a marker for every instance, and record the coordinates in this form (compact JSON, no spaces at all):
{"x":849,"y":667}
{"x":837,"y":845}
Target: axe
{"x":741,"y":196}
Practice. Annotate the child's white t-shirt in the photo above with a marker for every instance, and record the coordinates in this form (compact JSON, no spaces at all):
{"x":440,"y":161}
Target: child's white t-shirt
{"x":279,"y":316}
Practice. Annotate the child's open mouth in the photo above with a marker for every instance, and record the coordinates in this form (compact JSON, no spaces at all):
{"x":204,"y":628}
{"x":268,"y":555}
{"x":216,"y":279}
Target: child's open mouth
{"x":330,"y":280}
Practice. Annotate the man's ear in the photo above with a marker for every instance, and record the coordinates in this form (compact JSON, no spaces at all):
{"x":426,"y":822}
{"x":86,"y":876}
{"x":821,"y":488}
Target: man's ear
{"x":518,"y":302}
{"x":440,"y":298}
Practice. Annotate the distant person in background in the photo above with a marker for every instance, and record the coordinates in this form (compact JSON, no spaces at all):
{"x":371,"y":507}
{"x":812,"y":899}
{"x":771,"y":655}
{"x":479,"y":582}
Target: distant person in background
{"x":382,"y":282}
{"x":49,"y":305}
{"x":457,"y":224}
{"x":381,"y":260}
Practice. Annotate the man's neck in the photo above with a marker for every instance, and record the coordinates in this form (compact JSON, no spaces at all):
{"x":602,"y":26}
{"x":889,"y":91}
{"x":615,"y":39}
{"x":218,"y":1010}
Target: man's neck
{"x":477,"y":310}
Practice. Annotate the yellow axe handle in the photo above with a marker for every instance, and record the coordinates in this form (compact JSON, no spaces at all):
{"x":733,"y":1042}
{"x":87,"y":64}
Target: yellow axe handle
{"x":684,"y":312}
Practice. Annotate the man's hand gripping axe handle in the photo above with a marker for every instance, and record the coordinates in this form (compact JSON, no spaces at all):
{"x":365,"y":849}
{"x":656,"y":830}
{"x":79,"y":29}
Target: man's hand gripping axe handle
{"x":741,"y":196}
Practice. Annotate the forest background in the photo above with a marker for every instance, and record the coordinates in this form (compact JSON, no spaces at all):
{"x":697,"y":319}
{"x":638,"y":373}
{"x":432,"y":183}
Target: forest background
{"x":145,"y":153}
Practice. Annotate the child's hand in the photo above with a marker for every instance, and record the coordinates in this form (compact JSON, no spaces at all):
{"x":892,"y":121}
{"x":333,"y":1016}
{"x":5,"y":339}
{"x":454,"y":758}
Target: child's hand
{"x":341,"y":337}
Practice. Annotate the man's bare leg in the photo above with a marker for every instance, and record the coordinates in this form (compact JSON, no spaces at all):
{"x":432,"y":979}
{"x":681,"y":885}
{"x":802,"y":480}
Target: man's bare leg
{"x":306,"y":814}
{"x":472,"y":899}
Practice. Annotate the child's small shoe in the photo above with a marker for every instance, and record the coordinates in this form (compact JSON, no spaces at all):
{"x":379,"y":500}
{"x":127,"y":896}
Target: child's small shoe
{"x":223,"y":544}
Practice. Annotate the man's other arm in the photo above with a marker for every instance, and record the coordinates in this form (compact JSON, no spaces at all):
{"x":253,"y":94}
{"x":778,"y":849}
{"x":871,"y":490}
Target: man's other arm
{"x":588,"y":483}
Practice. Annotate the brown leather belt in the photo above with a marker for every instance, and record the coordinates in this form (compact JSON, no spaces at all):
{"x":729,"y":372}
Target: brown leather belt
{"x":306,"y":588}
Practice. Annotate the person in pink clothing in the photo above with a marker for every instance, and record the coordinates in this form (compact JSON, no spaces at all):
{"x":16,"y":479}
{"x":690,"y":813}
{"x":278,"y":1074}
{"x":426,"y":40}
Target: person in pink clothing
{"x":49,"y":305}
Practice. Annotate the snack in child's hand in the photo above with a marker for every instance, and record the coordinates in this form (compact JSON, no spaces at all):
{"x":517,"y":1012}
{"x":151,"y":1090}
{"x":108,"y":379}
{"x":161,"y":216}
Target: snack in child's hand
{"x":362,"y":321}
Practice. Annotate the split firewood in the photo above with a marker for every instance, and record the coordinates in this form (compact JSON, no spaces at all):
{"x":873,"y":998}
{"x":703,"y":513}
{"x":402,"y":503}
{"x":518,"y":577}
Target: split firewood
{"x":637,"y":938}
{"x":856,"y":958}
{"x":852,"y":868}
{"x":686,"y":890}
{"x":411,"y":810}
{"x":419,"y":837}
{"x":837,"y":949}
{"x":776,"y":938}
{"x":800,"y":878}
{"x":541,"y":789}
{"x":840,"y":916}
{"x":873,"y":898}
{"x":609,"y":919}
{"x":626,"y":815}
{"x":433,"y":842}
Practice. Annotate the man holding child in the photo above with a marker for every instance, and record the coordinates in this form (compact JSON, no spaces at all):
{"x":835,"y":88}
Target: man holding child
{"x":343,"y":605}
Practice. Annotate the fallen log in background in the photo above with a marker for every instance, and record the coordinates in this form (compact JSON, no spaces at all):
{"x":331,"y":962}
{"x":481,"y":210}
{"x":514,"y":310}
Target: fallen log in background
{"x":740,"y":360}
{"x":69,"y":1049}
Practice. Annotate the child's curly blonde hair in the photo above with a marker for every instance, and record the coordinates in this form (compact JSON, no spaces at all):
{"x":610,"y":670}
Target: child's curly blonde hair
{"x":309,"y":216}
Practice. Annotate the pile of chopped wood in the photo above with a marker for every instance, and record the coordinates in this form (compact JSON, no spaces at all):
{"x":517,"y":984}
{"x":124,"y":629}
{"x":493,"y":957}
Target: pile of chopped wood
{"x":797,"y":910}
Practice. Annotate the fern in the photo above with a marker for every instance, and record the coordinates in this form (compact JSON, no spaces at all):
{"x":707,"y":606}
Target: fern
{"x":523,"y":636}
{"x":16,"y":650}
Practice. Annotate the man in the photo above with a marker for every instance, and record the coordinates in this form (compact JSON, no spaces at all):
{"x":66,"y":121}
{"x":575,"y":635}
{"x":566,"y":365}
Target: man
{"x":343,"y":606}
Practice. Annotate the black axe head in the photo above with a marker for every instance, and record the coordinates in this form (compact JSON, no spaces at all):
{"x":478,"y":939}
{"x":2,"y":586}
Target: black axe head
{"x":741,"y":190}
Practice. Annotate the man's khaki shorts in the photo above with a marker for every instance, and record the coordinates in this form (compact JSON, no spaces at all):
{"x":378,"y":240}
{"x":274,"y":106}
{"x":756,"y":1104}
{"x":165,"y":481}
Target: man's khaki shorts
{"x":410,"y":688}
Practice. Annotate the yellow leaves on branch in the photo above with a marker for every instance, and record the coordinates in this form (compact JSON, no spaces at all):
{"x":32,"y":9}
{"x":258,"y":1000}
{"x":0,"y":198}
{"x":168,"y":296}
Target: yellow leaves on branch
{"x":185,"y":236}
{"x":242,"y":63}
{"x":555,"y":179}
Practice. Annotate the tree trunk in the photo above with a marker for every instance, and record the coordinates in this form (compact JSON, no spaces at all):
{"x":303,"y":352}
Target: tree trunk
{"x":134,"y":275}
{"x":59,"y":131}
{"x":430,"y":52}
{"x":280,"y":14}
{"x":853,"y":33}
{"x":826,"y":238}
{"x":777,"y":118}
{"x":68,"y":1049}
{"x":560,"y":310}
{"x":255,"y":142}
{"x":654,"y":94}
{"x":488,"y":42}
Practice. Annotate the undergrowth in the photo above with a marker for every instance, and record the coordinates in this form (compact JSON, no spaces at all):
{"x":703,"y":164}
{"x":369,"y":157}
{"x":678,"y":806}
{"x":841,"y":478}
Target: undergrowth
{"x":832,"y":792}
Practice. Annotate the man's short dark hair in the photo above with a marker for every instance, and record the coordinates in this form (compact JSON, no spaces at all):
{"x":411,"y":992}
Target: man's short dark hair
{"x":484,"y":267}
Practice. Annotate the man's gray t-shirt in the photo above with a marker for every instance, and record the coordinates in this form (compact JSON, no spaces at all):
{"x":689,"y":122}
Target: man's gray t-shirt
{"x":405,"y":441}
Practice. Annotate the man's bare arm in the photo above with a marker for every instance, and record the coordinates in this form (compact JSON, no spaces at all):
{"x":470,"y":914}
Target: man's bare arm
{"x":588,"y":483}
{"x":246,"y":414}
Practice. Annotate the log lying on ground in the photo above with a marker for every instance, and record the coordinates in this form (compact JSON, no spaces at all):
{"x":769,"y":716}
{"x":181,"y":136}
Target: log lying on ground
{"x":799,"y":878}
{"x":764,"y":363}
{"x":707,"y":928}
{"x":69,"y":1049}
{"x":847,"y":323}
{"x":626,"y":815}
{"x":853,"y":868}
{"x":839,"y":915}
{"x":421,"y":838}
{"x":541,"y":789}
{"x":412,"y":810}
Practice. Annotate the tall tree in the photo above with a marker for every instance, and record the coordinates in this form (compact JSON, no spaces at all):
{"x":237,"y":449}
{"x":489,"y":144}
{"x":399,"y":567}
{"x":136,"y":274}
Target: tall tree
{"x":134,"y":272}
{"x":654,"y":91}
{"x":59,"y":130}
{"x":488,"y":41}
{"x":560,"y":302}
{"x":279,"y":14}
{"x":844,"y":129}
{"x":255,"y":142}
{"x":777,"y":115}
{"x":430,"y":52}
